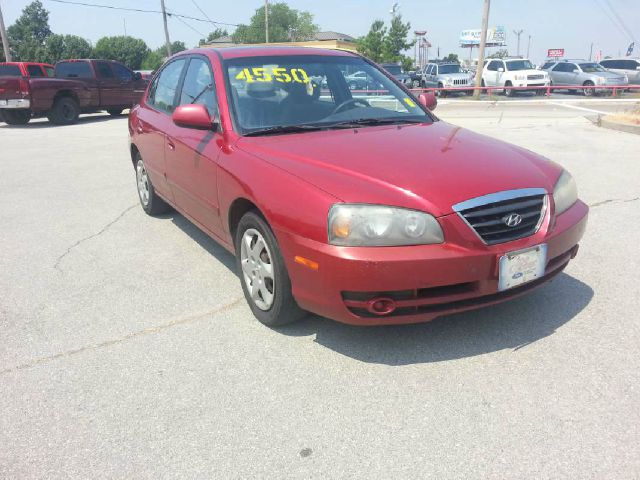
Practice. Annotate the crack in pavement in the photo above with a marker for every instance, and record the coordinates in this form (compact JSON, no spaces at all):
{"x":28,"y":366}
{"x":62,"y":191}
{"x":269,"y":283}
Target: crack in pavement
{"x":614,"y":200}
{"x":108,"y":343}
{"x":82,"y":240}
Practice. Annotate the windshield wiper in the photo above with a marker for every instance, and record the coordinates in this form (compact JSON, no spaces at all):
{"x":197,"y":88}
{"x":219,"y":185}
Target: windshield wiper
{"x":371,"y":121}
{"x":285,"y":129}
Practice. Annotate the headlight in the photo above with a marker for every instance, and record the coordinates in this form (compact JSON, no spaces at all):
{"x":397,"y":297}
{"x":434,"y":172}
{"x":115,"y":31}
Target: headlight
{"x":521,"y":77}
{"x":565,"y":193}
{"x":377,"y":225}
{"x":601,"y":80}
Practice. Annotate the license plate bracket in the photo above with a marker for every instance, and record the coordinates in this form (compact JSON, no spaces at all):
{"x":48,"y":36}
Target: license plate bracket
{"x":522,"y":266}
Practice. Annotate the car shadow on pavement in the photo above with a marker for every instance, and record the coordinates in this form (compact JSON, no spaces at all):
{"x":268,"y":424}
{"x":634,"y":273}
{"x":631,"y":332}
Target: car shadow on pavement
{"x":512,"y":325}
{"x":205,"y":241}
{"x":44,"y":123}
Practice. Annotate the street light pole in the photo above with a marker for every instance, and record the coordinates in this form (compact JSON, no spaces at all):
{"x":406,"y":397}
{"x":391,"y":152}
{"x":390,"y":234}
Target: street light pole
{"x":266,"y":21}
{"x":518,"y":33}
{"x":5,"y":39}
{"x":529,"y":47}
{"x":483,"y":44}
{"x":166,"y":28}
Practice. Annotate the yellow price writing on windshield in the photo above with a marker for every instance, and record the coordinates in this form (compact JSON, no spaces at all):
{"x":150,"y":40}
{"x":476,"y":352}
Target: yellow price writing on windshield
{"x":279,"y":74}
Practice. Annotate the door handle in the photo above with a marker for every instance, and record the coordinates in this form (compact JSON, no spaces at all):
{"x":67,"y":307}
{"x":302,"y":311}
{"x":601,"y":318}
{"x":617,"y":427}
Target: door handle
{"x":171,"y":145}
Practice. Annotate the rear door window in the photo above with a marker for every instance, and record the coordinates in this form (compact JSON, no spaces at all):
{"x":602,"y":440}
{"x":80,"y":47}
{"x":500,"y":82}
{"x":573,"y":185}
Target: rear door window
{"x":50,"y":71}
{"x":103,"y":69}
{"x":73,"y":70}
{"x":35,"y":71}
{"x":122,"y":72}
{"x":10,"y":71}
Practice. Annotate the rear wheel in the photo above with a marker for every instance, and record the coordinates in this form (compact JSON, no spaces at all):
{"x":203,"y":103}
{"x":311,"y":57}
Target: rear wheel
{"x":151,"y":203}
{"x":588,"y":92}
{"x":265,"y":281}
{"x":17,"y":117}
{"x":115,"y":112}
{"x":508,"y":92}
{"x":65,"y":111}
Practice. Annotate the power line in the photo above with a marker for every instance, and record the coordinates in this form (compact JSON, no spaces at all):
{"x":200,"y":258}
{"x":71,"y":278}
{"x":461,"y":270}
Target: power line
{"x":613,"y":21}
{"x":215,"y":24}
{"x":142,"y":10}
{"x":615,"y":12}
{"x":202,"y":35}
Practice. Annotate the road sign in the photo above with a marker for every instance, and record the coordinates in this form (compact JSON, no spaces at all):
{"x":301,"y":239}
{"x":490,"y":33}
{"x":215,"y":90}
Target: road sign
{"x":555,"y":52}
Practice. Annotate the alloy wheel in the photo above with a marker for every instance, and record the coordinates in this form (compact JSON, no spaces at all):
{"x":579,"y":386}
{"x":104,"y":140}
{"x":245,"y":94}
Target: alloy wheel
{"x":257,"y":269}
{"x":143,"y":183}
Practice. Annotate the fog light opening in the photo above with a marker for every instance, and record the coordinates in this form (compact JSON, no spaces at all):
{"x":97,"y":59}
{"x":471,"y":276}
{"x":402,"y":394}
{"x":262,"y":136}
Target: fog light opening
{"x":381,"y":306}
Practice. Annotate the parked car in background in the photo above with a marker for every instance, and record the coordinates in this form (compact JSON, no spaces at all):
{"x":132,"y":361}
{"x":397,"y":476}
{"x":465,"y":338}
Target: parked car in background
{"x":397,"y":72}
{"x":365,"y":212}
{"x":514,"y":72}
{"x":624,"y":66}
{"x":25,"y":69}
{"x":444,"y":75}
{"x":13,"y":78}
{"x":146,"y":74}
{"x":79,"y":86}
{"x":588,"y":75}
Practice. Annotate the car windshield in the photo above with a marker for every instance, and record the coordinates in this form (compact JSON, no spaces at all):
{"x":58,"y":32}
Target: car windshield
{"x":592,"y":67}
{"x":449,"y":69}
{"x":273,"y":94}
{"x":393,"y":69}
{"x":515,"y":65}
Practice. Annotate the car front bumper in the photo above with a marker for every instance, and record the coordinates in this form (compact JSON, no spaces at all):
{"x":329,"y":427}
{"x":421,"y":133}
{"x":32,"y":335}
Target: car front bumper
{"x":15,"y":103}
{"x":425,"y":281}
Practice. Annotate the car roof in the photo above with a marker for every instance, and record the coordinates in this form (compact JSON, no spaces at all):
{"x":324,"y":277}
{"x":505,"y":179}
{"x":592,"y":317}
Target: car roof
{"x":622,"y":58}
{"x":270,"y":50}
{"x":26,"y":63}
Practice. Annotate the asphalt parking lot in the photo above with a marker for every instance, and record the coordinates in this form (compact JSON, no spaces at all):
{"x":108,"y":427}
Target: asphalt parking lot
{"x":127,"y":349}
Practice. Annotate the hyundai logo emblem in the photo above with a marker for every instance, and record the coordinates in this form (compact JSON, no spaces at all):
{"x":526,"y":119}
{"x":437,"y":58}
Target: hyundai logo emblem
{"x":512,"y":220}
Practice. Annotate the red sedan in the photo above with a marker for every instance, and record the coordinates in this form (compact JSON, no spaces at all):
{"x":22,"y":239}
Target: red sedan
{"x":360,"y":206}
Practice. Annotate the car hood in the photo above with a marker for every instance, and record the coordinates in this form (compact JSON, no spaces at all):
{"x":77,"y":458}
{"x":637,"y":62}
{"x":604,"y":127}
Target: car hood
{"x":611,"y":75}
{"x":429,"y":166}
{"x":528,"y":72}
{"x":452,"y":76}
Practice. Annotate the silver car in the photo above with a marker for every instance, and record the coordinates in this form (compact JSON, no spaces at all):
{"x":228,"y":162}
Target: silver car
{"x":582,"y":73}
{"x":443,"y":75}
{"x":624,"y":66}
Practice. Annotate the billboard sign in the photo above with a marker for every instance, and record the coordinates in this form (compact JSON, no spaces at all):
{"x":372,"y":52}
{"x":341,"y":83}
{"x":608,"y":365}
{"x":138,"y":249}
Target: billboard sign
{"x":496,"y":37}
{"x":555,"y":52}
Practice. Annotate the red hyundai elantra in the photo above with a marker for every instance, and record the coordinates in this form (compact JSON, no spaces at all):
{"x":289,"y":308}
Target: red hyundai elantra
{"x":358,"y":205}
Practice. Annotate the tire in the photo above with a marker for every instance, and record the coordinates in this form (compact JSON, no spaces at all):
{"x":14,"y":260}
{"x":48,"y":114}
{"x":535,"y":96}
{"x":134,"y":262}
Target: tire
{"x":540,"y":92}
{"x":588,"y":92}
{"x":353,"y":86}
{"x":441,"y":93}
{"x":151,"y":203}
{"x":115,"y":112}
{"x":65,"y":111}
{"x":415,"y":84}
{"x":17,"y":117}
{"x":256,"y":247}
{"x":507,"y":91}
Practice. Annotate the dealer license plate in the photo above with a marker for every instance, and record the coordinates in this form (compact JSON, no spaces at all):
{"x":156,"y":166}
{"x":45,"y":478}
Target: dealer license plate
{"x":522,"y":266}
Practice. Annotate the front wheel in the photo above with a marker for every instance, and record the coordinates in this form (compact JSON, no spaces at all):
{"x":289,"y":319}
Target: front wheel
{"x":17,"y":117}
{"x":415,"y":84}
{"x":509,"y":92}
{"x":115,"y":112}
{"x":439,"y":92}
{"x":151,"y":203}
{"x":265,"y":281}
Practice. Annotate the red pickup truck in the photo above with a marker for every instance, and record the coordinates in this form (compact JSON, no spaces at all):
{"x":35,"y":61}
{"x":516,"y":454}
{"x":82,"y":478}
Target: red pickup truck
{"x":78,"y":86}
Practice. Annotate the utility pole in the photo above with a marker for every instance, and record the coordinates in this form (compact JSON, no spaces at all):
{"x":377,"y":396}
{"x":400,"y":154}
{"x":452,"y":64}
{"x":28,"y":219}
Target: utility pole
{"x":483,"y":44}
{"x":124,"y":24}
{"x":5,"y":39}
{"x":529,"y":47}
{"x":266,"y":21}
{"x":518,"y":33}
{"x":591,"y":51}
{"x":166,"y":29}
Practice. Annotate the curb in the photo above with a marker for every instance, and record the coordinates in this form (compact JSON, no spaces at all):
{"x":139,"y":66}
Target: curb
{"x":619,"y":126}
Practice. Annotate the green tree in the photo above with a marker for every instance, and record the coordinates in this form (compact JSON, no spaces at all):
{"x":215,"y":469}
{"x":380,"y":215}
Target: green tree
{"x":452,"y":57}
{"x":395,"y":41}
{"x":502,"y":53}
{"x":217,"y":33}
{"x":28,"y":34}
{"x":154,"y":59}
{"x":128,"y":50}
{"x":372,"y":44}
{"x":285,"y":25}
{"x":62,"y":47}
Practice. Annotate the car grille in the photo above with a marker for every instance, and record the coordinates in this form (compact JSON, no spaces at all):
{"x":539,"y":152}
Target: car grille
{"x":535,"y":77}
{"x":490,"y":220}
{"x":460,"y":81}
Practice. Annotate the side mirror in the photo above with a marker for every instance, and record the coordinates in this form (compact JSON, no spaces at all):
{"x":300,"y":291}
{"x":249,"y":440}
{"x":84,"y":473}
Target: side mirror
{"x":501,"y":69}
{"x":428,"y":100}
{"x":194,"y":116}
{"x":137,"y":76}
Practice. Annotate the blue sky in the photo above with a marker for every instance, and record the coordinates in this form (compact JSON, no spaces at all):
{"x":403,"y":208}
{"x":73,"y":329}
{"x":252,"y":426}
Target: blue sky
{"x":569,"y":24}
